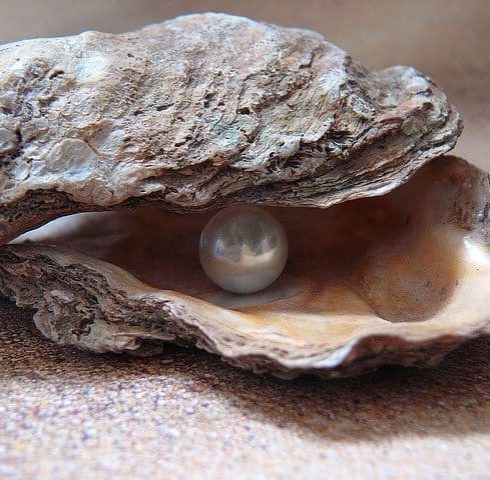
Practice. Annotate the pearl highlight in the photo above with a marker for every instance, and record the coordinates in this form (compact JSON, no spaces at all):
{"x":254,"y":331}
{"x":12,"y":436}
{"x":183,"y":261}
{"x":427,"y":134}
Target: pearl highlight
{"x":243,"y":249}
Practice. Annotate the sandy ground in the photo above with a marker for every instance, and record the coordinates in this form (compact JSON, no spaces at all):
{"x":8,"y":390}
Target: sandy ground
{"x":185,"y":414}
{"x":65,"y":414}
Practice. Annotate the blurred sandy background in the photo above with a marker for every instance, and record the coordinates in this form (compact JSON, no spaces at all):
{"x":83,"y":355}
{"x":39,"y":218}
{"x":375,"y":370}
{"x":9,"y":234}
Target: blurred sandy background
{"x":65,"y":414}
{"x":446,"y":39}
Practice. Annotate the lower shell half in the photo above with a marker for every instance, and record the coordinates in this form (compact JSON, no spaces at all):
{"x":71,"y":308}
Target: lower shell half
{"x":402,"y":278}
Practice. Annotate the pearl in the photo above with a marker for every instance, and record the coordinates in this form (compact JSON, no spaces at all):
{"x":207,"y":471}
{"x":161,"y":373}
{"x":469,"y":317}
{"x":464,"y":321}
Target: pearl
{"x":243,"y":249}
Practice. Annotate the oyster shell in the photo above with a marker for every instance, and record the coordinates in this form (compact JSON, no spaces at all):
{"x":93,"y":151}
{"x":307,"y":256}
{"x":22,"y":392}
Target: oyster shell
{"x":208,"y":110}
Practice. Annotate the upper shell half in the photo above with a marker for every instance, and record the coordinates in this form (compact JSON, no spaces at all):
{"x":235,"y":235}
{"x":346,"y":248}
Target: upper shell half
{"x":209,"y":110}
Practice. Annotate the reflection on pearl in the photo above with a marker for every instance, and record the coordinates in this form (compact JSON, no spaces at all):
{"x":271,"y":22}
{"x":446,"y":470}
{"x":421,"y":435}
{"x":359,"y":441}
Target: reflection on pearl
{"x":243,"y":249}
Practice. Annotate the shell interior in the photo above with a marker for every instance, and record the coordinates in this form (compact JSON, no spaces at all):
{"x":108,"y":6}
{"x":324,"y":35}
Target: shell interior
{"x":413,"y":264}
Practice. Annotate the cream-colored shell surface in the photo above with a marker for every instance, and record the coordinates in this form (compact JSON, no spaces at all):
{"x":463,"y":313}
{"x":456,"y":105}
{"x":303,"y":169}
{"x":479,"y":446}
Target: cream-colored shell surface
{"x":402,"y":278}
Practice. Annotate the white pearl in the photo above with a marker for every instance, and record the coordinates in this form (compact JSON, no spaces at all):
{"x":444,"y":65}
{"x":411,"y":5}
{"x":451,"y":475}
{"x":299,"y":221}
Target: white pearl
{"x":243,"y":249}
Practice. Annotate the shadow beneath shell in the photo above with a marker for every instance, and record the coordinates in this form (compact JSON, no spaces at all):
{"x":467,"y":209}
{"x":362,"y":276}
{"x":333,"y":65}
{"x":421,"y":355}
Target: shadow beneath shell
{"x":452,"y":399}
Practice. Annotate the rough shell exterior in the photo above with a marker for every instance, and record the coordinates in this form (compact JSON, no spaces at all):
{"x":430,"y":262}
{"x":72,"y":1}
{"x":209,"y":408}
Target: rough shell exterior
{"x":203,"y":110}
{"x":195,"y":113}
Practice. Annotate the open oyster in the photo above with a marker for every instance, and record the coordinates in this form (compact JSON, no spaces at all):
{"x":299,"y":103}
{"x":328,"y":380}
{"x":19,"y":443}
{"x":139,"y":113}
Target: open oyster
{"x":156,"y":128}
